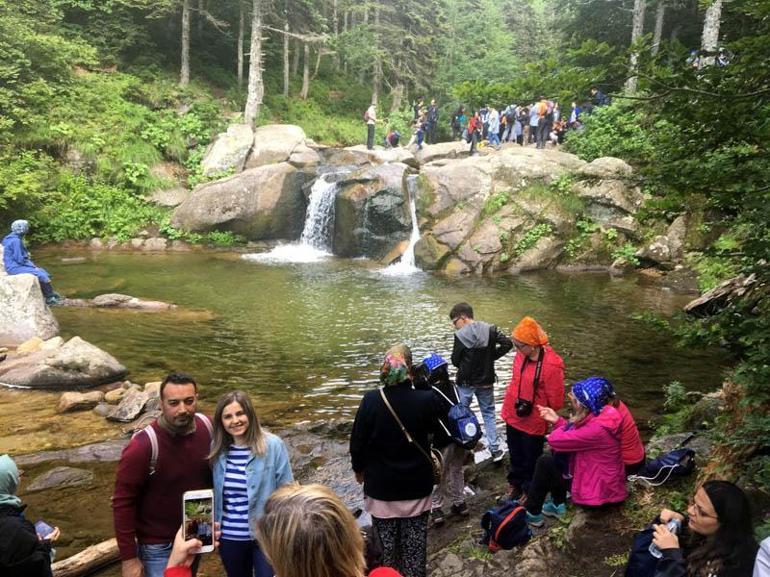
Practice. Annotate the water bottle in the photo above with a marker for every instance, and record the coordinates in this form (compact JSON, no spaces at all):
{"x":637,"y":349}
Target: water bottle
{"x":673,"y":525}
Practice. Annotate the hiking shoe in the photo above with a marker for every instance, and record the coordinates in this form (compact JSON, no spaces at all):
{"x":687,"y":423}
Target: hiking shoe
{"x":54,"y":300}
{"x":535,"y":520}
{"x":461,"y":509}
{"x":551,"y":509}
{"x":437,"y":517}
{"x":497,"y":456}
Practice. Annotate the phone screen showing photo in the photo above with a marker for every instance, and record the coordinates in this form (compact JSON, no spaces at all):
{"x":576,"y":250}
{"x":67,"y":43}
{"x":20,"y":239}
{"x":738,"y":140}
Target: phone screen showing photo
{"x":199,"y":520}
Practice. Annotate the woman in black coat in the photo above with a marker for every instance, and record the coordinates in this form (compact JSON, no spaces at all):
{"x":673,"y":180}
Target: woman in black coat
{"x":717,"y":537}
{"x":397,"y":475}
{"x":23,"y":553}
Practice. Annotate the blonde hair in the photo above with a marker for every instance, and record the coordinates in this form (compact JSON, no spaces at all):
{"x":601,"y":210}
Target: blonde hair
{"x":222,"y":440}
{"x":306,"y":531}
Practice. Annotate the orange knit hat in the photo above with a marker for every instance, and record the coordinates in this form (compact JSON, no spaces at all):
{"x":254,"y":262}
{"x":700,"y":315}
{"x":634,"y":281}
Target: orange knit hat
{"x":530,"y":333}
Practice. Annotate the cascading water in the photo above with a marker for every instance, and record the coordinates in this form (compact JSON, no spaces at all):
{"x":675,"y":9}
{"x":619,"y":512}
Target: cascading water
{"x":406,"y":265}
{"x":319,"y":222}
{"x":315,"y":242}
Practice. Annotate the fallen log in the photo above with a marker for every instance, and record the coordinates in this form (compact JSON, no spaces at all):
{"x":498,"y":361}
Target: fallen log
{"x":87,"y":561}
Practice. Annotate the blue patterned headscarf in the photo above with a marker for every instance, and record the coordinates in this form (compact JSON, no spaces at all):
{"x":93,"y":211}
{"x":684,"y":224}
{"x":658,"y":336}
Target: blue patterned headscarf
{"x":591,"y":393}
{"x":20,"y":227}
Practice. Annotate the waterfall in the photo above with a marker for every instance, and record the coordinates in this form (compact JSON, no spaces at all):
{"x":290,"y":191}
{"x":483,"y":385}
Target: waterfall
{"x":319,"y":222}
{"x":315,"y":244}
{"x":406,"y":264}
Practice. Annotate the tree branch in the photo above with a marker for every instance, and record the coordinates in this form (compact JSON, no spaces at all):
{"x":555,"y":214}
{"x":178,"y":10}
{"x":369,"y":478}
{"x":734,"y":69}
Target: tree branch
{"x":304,"y":37}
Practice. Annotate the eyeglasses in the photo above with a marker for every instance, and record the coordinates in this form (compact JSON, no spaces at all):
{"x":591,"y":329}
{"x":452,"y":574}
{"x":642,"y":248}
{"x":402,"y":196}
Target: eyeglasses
{"x":520,"y":346}
{"x":699,"y":512}
{"x":455,"y":321}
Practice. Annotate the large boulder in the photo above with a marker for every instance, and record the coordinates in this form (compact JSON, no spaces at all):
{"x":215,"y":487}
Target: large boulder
{"x":259,"y":203}
{"x":23,"y":312}
{"x":275,"y":143}
{"x":441,"y":150}
{"x":381,"y":155}
{"x":371,"y":211}
{"x":445,"y":185}
{"x":607,"y":199}
{"x":607,"y":167}
{"x":71,"y":365}
{"x":229,"y":150}
{"x":170,"y":197}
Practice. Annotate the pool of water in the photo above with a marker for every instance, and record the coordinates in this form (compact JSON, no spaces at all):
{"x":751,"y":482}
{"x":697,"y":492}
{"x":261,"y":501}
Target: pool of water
{"x":306,"y":339}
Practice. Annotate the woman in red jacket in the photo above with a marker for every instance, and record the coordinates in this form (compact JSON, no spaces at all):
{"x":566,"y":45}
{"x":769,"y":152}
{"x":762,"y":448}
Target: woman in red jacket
{"x":537,"y":379}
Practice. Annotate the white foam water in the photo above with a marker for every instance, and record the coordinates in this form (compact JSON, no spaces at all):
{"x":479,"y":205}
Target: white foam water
{"x":315,"y":243}
{"x":406,"y":264}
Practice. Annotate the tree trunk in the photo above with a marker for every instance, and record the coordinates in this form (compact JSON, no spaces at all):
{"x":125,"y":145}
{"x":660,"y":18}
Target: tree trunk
{"x":295,"y":61}
{"x":396,"y":96}
{"x":345,"y":29}
{"x":241,"y":27}
{"x":184,"y":76}
{"x":336,"y":30}
{"x":637,"y":28}
{"x":255,"y":89}
{"x":319,"y":54}
{"x":658,"y":33}
{"x":362,"y":72}
{"x":286,"y":54}
{"x":710,"y":39}
{"x":199,"y":20}
{"x":377,"y":69}
{"x":674,"y":36}
{"x":88,"y":560}
{"x":305,"y":73}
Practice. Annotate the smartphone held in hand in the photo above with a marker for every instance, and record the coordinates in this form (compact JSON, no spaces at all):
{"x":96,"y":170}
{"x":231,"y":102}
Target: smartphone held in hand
{"x":43,"y":529}
{"x":198,"y":511}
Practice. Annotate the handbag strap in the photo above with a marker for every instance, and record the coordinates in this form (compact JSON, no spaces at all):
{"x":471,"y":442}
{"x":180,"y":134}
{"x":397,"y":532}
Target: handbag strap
{"x":538,"y":369}
{"x":403,"y":428}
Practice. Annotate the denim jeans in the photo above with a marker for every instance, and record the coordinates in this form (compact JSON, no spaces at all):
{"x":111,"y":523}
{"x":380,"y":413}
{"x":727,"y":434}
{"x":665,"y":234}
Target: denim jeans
{"x":154,"y":557}
{"x":244,"y":559}
{"x":494,"y":139}
{"x":486,"y":398}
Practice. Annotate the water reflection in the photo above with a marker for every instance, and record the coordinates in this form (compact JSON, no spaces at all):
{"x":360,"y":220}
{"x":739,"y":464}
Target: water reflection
{"x":307,"y":339}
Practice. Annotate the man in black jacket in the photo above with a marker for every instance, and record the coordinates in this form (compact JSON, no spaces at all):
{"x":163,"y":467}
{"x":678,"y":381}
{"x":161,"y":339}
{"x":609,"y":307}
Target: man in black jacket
{"x":477,"y":346}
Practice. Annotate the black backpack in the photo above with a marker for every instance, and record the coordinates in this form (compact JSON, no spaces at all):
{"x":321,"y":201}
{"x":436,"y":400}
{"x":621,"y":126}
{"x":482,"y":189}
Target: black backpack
{"x":505,"y":526}
{"x":672,"y":465}
{"x":641,"y":563}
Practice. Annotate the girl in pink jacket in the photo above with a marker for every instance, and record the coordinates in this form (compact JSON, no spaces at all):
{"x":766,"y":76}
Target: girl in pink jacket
{"x":594,"y":466}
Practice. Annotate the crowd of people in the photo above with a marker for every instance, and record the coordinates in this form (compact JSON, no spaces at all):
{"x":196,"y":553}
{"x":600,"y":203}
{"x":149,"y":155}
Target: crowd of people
{"x":267,"y":524}
{"x":539,"y":122}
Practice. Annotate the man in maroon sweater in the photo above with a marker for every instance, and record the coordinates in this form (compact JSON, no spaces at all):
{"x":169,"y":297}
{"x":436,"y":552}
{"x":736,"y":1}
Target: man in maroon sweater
{"x":147,"y":504}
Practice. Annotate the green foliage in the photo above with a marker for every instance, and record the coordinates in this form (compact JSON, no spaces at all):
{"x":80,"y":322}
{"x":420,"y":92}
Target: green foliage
{"x":495,"y":202}
{"x":675,"y":396}
{"x":626,"y":251}
{"x":531,"y":237}
{"x":82,"y":209}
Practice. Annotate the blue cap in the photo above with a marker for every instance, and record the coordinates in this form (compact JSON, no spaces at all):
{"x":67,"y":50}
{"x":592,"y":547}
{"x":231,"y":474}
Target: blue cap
{"x":434,"y":361}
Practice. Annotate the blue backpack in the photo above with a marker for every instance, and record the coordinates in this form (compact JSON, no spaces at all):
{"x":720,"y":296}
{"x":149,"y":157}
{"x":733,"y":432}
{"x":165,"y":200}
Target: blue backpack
{"x":505,"y":526}
{"x":673,"y":465}
{"x":462,"y":425}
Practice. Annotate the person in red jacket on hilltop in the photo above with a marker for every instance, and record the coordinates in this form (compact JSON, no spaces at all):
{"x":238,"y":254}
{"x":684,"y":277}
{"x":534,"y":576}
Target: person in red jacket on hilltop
{"x":537,"y":379}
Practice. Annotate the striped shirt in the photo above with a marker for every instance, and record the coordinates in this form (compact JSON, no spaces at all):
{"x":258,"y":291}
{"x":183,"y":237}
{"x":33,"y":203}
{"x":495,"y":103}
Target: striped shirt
{"x":235,"y":514}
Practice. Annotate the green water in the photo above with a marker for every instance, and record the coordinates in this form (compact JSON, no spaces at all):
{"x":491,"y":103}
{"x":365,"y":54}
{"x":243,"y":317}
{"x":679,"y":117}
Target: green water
{"x":306,"y":339}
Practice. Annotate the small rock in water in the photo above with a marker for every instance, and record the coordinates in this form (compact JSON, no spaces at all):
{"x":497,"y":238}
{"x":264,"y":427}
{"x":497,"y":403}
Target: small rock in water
{"x":153,"y":388}
{"x":130,"y":407}
{"x":114,"y":396}
{"x":102,"y":409}
{"x":59,"y":477}
{"x":72,"y":401}
{"x":29,"y":346}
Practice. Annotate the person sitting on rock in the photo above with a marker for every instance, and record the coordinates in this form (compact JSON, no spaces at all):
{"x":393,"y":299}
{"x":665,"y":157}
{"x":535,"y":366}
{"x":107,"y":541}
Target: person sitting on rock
{"x":23,"y":552}
{"x":593,"y":470}
{"x":16,"y":260}
{"x":631,"y":446}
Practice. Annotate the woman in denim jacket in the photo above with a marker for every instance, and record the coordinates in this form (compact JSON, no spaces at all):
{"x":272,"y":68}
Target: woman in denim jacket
{"x":248,"y":464}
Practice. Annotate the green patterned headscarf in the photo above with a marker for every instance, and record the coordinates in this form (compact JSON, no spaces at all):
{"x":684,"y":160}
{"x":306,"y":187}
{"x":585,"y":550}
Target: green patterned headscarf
{"x":397,"y":366}
{"x":9,"y":482}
